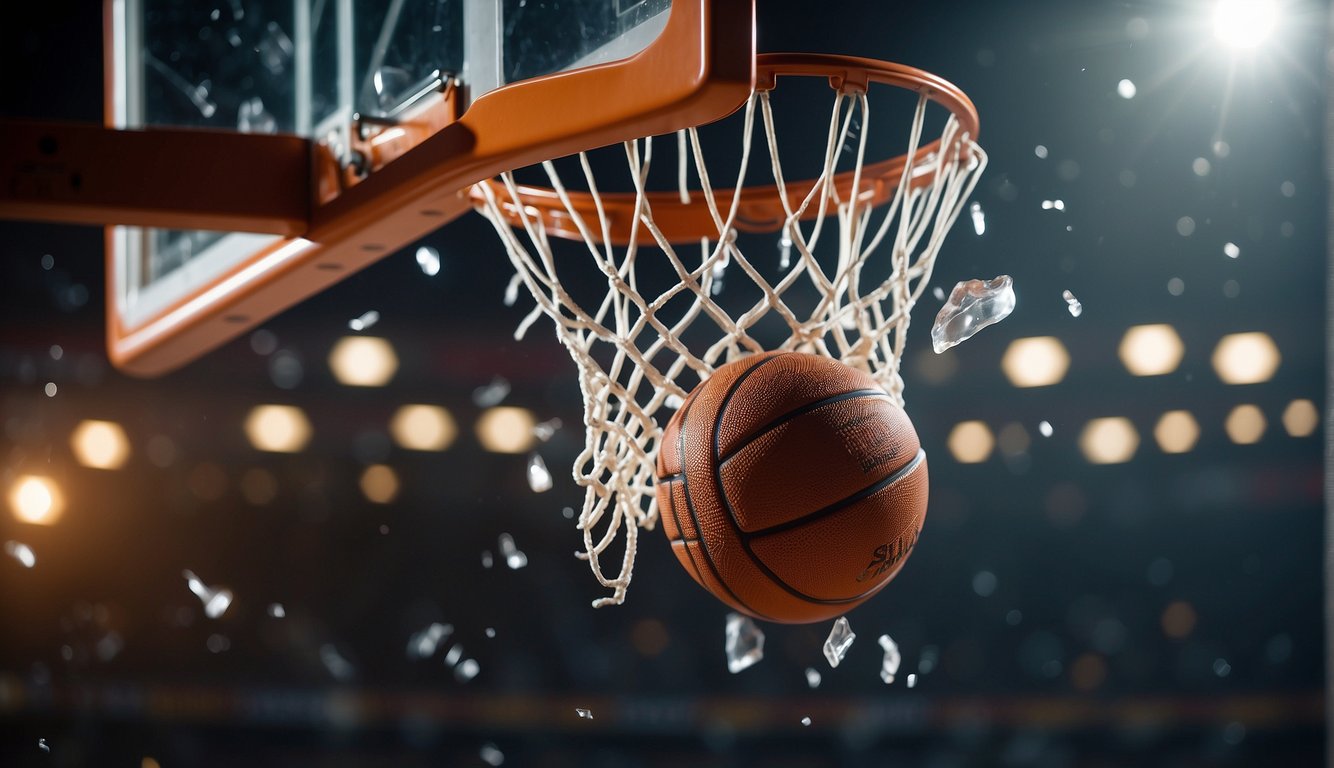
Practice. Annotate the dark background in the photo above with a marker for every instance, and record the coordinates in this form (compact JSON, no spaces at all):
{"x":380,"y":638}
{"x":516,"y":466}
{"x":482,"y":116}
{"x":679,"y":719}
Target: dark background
{"x":1065,"y":663}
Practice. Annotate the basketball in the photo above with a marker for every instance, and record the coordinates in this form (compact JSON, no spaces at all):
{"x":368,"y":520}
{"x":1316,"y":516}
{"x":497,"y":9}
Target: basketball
{"x":791,"y":487}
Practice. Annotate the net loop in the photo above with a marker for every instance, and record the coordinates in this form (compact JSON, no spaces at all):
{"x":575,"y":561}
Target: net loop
{"x":644,"y":344}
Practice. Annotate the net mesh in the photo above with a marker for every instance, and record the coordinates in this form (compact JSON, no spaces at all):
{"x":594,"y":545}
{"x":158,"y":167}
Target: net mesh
{"x":664,"y":323}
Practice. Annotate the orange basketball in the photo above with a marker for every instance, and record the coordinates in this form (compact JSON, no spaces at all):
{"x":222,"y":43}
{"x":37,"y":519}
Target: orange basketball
{"x":791,"y":487}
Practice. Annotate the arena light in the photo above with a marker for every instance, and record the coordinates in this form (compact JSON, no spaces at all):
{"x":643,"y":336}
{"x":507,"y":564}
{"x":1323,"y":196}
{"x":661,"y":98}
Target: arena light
{"x":1244,"y":24}
{"x":1151,"y":350}
{"x":1110,"y":440}
{"x":423,"y":428}
{"x":1301,"y":418}
{"x":277,"y":428}
{"x":363,"y":361}
{"x":1037,"y":361}
{"x":1176,"y":432}
{"x":100,"y":444}
{"x":1246,"y":358}
{"x":36,"y":500}
{"x":379,"y":483}
{"x":504,"y":429}
{"x":971,"y":442}
{"x":1245,"y":425}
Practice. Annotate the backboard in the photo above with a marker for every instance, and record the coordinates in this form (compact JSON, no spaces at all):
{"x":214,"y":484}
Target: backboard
{"x":403,"y":104}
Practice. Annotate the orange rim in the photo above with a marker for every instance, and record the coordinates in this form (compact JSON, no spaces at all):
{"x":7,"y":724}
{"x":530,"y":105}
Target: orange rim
{"x":761,"y":208}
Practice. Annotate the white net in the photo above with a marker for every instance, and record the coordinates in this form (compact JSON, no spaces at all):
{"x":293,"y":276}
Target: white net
{"x":843,"y":285}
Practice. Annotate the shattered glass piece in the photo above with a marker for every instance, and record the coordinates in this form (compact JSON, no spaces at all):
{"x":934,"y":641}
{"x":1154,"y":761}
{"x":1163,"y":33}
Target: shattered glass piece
{"x":912,"y":680}
{"x":1056,"y":205}
{"x":339,"y":667}
{"x":487,"y":559}
{"x":492,"y":393}
{"x":390,"y":84}
{"x":514,"y":558}
{"x":490,"y":632}
{"x":365,"y":321}
{"x":1044,"y":427}
{"x":428,"y":259}
{"x":1072,"y":303}
{"x":1040,"y":151}
{"x":277,"y":611}
{"x":586,"y":714}
{"x":889,"y":666}
{"x":812,"y":677}
{"x":927,"y":662}
{"x":42,"y":745}
{"x":939,"y":293}
{"x":491,"y":755}
{"x":216,"y":601}
{"x":539,"y":477}
{"x":423,"y":643}
{"x":251,"y":117}
{"x":275,"y":50}
{"x":979,"y":218}
{"x":744,"y":643}
{"x":806,"y":720}
{"x":109,"y":646}
{"x":1231,"y":250}
{"x":784,"y":251}
{"x":197,"y":94}
{"x":455,"y":653}
{"x":21,"y":552}
{"x":1126,"y":89}
{"x":839,"y":641}
{"x":546,"y":430}
{"x":467,"y":670}
{"x":972,"y":306}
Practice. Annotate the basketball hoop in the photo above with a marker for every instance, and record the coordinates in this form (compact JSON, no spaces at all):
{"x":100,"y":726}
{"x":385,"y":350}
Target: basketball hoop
{"x":640,"y":349}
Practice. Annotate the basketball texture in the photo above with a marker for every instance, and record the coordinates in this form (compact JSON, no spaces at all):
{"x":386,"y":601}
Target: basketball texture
{"x":791,"y":487}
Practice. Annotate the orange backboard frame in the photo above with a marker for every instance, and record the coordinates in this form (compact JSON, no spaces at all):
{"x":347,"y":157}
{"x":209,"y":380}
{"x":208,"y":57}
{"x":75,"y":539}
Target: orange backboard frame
{"x":334,"y":222}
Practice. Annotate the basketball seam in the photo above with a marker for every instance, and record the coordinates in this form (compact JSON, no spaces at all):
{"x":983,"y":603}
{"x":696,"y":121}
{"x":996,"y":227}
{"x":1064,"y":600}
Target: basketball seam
{"x":794,"y":413}
{"x":676,"y":518}
{"x":870,"y":490}
{"x":731,"y":514}
{"x":690,"y":505}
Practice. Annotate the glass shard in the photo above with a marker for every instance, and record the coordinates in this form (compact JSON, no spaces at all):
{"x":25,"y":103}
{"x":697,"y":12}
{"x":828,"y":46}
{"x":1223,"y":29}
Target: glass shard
{"x":277,"y":611}
{"x":1231,"y":250}
{"x":42,"y":745}
{"x":491,"y":755}
{"x":1076,"y":308}
{"x":1045,"y":428}
{"x":912,"y":680}
{"x":972,"y":306}
{"x":806,"y":720}
{"x":889,"y":666}
{"x":251,"y":117}
{"x":487,"y":559}
{"x":455,"y":653}
{"x":586,"y":714}
{"x":21,"y":552}
{"x":365,"y":321}
{"x":744,"y":643}
{"x":467,"y":670}
{"x":340,"y":668}
{"x":784,"y":251}
{"x":492,"y":393}
{"x":979,"y":218}
{"x":546,"y":430}
{"x":423,"y":643}
{"x":839,"y":641}
{"x":428,"y":259}
{"x":539,"y":477}
{"x":275,"y":49}
{"x":812,"y":677}
{"x":215,"y":601}
{"x":514,"y":558}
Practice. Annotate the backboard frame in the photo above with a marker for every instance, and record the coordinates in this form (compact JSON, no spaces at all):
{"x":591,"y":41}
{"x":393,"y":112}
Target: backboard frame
{"x":701,"y":67}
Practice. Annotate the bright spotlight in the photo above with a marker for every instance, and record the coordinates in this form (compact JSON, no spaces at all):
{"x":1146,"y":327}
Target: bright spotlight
{"x":363,"y":361}
{"x":100,"y":444}
{"x":36,"y":500}
{"x":277,"y":428}
{"x":506,"y":430}
{"x":971,"y":442}
{"x":1244,"y":23}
